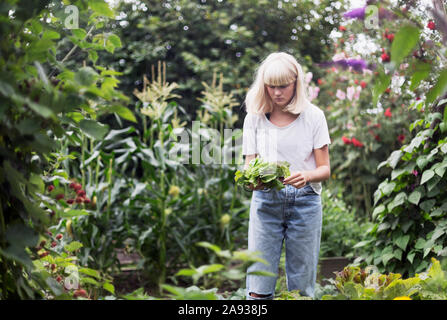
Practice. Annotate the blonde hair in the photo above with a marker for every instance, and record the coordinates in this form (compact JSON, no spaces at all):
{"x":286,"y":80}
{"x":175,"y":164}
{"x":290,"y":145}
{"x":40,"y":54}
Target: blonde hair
{"x":278,"y":69}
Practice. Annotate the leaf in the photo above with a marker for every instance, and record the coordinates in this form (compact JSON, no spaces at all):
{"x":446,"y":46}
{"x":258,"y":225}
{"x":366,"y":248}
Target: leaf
{"x":86,"y":76}
{"x":73,"y":246}
{"x":123,"y":112}
{"x":94,"y":129}
{"x":402,"y":242}
{"x":115,"y":40}
{"x":427,"y":205}
{"x":404,"y":41}
{"x":101,"y":7}
{"x":414,"y":197}
{"x":422,"y":72}
{"x":438,"y":89}
{"x":427,"y":175}
{"x":378,"y":210}
{"x":382,"y":82}
{"x":72,"y":213}
{"x":109,"y":287}
{"x":387,"y":257}
{"x":87,"y":271}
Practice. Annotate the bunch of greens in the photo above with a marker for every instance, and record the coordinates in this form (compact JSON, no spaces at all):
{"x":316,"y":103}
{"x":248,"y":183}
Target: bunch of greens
{"x":270,"y":174}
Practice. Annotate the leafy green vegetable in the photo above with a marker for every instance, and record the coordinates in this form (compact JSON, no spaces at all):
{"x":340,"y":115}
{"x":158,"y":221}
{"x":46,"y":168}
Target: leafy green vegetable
{"x":271,"y":174}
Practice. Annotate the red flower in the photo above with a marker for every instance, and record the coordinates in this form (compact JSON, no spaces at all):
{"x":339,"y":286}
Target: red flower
{"x":357,"y":143}
{"x":320,"y":82}
{"x":385,"y":57}
{"x":390,"y":37}
{"x":50,"y":188}
{"x":388,"y":113}
{"x":342,"y":28}
{"x":431,"y":25}
{"x":346,"y":140}
{"x":363,"y":84}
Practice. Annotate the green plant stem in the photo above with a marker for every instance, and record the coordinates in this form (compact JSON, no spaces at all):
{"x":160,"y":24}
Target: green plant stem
{"x":83,"y":159}
{"x":109,"y":183}
{"x":162,"y":258}
{"x":90,"y":173}
{"x":3,"y":245}
{"x":144,"y":128}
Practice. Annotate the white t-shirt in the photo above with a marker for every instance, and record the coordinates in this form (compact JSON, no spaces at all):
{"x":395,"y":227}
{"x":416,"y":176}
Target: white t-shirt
{"x":293,"y":143}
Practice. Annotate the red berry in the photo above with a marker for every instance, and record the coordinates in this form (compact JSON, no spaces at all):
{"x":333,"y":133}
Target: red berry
{"x":53,"y":266}
{"x":77,"y":187}
{"x":342,"y":28}
{"x":50,"y":188}
{"x":80,"y":293}
{"x":70,"y":201}
{"x":53,"y":244}
{"x":42,"y":243}
{"x":59,"y":279}
{"x":72,"y":185}
{"x":86,"y":200}
{"x":59,"y":196}
{"x":363,"y":84}
{"x":59,"y":236}
{"x":44,"y":254}
{"x":79,"y":199}
{"x":80,"y":193}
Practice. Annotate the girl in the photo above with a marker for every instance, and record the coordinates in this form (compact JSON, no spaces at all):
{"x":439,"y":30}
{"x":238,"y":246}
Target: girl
{"x":282,"y":125}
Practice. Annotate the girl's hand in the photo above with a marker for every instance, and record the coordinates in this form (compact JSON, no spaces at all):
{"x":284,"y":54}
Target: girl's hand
{"x":297,"y":179}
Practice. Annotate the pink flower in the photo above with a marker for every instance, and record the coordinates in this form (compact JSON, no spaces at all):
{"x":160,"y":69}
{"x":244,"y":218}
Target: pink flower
{"x":308,"y":77}
{"x":358,"y":89}
{"x":340,"y":94}
{"x":350,"y":91}
{"x":313,"y":92}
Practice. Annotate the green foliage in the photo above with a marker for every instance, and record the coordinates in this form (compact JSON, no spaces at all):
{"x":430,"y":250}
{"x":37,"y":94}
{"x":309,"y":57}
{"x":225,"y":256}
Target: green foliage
{"x":261,"y":172}
{"x":40,"y":97}
{"x":342,"y":227}
{"x":409,"y":205}
{"x":354,"y":283}
{"x":197,"y":38}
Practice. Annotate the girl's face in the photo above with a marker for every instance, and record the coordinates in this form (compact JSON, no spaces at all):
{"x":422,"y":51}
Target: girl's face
{"x":281,"y":95}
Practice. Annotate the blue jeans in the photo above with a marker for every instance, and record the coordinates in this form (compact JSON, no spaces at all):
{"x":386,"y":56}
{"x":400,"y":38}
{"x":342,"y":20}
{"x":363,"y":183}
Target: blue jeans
{"x":291,"y":215}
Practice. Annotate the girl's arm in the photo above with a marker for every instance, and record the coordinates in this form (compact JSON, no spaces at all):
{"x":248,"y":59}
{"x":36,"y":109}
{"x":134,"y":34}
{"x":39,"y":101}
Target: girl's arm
{"x":322,"y":172}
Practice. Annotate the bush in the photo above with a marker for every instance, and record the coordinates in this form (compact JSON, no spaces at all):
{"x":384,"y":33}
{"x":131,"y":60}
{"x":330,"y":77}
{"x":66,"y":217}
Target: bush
{"x":341,"y":228}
